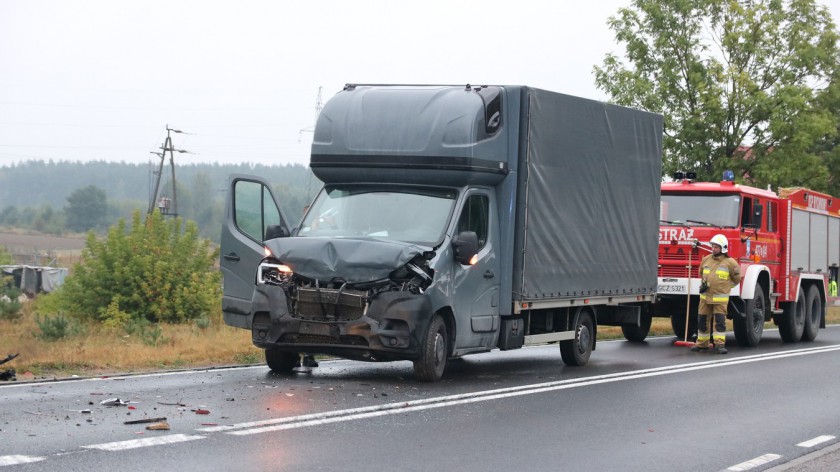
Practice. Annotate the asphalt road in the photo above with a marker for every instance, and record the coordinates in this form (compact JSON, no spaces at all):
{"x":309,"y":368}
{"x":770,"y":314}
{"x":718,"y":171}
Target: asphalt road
{"x":646,"y":407}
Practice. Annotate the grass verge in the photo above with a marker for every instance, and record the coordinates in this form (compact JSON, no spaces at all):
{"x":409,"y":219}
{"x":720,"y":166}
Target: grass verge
{"x":92,"y":351}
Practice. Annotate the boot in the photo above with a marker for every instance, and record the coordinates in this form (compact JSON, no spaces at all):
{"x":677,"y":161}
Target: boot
{"x":697,"y":348}
{"x":720,"y":350}
{"x":309,"y":361}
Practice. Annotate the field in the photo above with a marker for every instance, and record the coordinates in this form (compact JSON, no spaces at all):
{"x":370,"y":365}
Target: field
{"x":93,"y":351}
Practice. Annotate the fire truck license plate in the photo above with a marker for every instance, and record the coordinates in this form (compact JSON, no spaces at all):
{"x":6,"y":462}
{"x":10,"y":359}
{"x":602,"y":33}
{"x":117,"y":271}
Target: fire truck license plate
{"x":671,"y":288}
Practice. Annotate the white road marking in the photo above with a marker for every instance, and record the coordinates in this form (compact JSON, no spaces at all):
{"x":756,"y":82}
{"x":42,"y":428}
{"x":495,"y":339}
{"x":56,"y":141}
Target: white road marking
{"x":14,"y":460}
{"x":815,"y":441}
{"x":145,"y":442}
{"x":278,"y":424}
{"x":753,"y":463}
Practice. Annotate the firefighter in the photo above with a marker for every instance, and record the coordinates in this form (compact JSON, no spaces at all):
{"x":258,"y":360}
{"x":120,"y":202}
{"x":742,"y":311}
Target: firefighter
{"x":832,"y":288}
{"x":718,"y":274}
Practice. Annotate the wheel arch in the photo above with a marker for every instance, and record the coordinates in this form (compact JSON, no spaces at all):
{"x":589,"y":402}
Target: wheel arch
{"x":448,"y":317}
{"x":755,"y":274}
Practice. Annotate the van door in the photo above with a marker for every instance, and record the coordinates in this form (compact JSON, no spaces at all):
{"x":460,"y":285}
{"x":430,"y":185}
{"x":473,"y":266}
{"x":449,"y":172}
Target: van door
{"x":476,"y":287}
{"x":250,"y":210}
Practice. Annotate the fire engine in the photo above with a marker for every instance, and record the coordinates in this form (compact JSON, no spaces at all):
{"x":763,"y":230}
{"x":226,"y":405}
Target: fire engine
{"x":787,"y":244}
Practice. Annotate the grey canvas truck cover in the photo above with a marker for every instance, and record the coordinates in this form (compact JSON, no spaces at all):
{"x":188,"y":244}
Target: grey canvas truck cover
{"x":565,"y":193}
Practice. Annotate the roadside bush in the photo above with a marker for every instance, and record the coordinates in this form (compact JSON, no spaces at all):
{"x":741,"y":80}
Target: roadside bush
{"x":10,"y":307}
{"x":153,"y":270}
{"x":56,"y":327}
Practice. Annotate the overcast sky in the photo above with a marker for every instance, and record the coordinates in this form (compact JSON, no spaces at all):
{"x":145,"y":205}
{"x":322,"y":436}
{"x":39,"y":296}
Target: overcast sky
{"x":100,"y":80}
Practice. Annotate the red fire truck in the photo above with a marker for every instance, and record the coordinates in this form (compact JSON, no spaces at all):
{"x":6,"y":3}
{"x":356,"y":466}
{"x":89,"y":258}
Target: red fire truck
{"x":788,"y":246}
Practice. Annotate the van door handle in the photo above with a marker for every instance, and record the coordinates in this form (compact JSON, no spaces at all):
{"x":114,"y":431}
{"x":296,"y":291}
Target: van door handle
{"x":232,"y":257}
{"x":489,"y":274}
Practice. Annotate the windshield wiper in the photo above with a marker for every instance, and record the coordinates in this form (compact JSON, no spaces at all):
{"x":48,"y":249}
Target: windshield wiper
{"x":704,"y":223}
{"x":675,"y":223}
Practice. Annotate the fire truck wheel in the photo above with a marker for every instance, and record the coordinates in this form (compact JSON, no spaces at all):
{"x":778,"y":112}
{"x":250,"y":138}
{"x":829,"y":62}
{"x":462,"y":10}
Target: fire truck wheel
{"x":281,"y":361}
{"x":635,"y":333}
{"x":433,"y":352}
{"x":814,"y":306}
{"x":576,"y":352}
{"x":748,"y":329}
{"x":793,"y":319}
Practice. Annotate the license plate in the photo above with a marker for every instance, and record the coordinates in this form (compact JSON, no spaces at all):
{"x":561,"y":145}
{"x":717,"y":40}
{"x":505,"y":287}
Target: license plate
{"x":666,"y":288}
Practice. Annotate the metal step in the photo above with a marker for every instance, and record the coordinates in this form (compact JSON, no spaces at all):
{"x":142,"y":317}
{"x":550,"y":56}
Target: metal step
{"x":777,"y":312}
{"x":775,"y":295}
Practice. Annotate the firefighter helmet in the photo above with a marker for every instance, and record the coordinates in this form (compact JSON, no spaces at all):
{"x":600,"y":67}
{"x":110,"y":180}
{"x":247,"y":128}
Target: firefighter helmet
{"x":721,"y":241}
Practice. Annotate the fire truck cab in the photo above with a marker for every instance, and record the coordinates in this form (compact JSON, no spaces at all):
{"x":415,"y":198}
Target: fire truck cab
{"x":787,"y":244}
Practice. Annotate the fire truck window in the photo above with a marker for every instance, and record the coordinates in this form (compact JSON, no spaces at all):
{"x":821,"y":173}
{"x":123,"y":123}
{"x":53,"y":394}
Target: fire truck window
{"x":746,"y":212}
{"x":771,"y":216}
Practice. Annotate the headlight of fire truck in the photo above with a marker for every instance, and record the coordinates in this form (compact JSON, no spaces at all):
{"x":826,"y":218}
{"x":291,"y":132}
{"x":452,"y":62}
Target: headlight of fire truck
{"x":273,"y":272}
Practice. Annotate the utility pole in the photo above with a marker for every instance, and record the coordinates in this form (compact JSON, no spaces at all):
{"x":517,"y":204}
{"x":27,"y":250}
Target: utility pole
{"x":164,"y":203}
{"x":319,"y":105}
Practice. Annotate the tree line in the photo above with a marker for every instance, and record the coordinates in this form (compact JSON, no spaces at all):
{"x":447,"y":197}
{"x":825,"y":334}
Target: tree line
{"x":73,"y":197}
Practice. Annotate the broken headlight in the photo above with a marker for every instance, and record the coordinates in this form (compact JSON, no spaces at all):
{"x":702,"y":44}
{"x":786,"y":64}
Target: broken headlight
{"x":273,"y":273}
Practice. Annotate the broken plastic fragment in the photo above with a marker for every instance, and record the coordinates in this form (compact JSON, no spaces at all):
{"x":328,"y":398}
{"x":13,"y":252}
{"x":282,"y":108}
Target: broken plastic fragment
{"x":113,"y":402}
{"x":162,"y":426}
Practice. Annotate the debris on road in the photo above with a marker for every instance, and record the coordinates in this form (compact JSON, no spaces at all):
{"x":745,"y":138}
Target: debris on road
{"x":201,"y":411}
{"x":162,"y":426}
{"x":146,"y":420}
{"x":9,"y":374}
{"x":113,"y":402}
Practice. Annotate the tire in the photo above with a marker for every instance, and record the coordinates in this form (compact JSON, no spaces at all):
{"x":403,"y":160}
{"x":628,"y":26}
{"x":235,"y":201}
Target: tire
{"x":678,"y":323}
{"x":748,"y":330}
{"x":635,"y":333}
{"x":281,"y":361}
{"x":576,"y":352}
{"x":433,"y":352}
{"x":793,"y":319}
{"x":814,"y":307}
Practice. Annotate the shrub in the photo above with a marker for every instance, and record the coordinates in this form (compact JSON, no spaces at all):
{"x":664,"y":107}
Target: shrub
{"x":10,"y":307}
{"x":56,"y":327}
{"x":153,"y":270}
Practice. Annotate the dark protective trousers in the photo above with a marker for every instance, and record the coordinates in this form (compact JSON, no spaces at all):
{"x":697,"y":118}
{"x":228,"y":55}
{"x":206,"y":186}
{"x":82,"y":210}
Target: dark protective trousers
{"x":705,"y":312}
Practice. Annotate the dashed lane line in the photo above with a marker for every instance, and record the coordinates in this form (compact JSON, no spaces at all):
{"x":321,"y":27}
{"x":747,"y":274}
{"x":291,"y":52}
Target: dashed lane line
{"x":14,"y":460}
{"x":815,"y":441}
{"x":753,"y":463}
{"x":145,"y":442}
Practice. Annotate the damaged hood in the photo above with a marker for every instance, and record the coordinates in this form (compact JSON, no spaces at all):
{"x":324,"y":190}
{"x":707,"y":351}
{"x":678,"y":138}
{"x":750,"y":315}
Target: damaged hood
{"x":352,"y":260}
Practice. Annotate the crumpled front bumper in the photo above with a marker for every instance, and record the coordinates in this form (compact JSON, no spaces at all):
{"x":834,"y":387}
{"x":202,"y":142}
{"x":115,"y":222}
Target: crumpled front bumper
{"x":390,"y":329}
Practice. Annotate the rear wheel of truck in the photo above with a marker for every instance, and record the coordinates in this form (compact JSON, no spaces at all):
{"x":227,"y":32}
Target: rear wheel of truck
{"x":748,"y":330}
{"x":678,"y":324}
{"x":813,"y":314}
{"x":281,"y":361}
{"x":433,"y":352}
{"x":576,"y":352}
{"x":635,"y":333}
{"x":793,"y":319}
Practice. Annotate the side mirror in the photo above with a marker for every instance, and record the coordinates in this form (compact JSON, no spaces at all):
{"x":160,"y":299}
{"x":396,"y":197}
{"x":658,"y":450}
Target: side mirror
{"x":465,"y":245}
{"x":276,"y":231}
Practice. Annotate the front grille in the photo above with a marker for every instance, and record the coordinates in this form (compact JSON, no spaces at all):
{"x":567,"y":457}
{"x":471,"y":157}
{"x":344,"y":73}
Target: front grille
{"x":673,"y":271}
{"x":329,"y":304}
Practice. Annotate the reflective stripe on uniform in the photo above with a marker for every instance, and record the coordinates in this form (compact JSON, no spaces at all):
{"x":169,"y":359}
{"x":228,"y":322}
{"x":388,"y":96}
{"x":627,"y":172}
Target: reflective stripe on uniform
{"x":720,"y":298}
{"x":702,"y":337}
{"x":719,"y":337}
{"x":722,"y":272}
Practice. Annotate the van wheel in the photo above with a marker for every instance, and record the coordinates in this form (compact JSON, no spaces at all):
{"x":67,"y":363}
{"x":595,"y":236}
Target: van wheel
{"x":748,"y":330}
{"x":793,"y":319}
{"x":576,"y":352}
{"x":281,"y":361}
{"x":433,"y":352}
{"x":814,"y":312}
{"x":635,"y":333}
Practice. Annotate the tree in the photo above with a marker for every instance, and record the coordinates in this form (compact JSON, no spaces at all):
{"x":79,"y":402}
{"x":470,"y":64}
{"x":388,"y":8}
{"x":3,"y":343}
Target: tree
{"x":153,"y":270}
{"x":739,"y":84}
{"x":87,"y":208}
